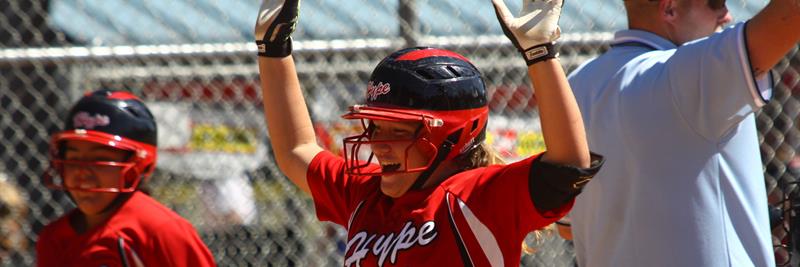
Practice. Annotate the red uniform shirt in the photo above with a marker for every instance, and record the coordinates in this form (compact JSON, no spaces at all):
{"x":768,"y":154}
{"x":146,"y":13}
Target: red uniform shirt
{"x":478,"y":217}
{"x":149,"y":234}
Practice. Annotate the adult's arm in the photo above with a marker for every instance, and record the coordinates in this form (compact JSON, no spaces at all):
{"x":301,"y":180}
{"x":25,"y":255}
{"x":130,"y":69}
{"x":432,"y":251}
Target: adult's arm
{"x":771,"y":33}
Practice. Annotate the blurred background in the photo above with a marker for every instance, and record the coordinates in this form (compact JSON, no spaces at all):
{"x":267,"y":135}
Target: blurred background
{"x":193,"y":62}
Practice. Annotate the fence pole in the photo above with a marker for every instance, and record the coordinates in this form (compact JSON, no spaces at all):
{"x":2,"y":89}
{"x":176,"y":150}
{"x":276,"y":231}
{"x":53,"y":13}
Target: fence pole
{"x":409,"y":22}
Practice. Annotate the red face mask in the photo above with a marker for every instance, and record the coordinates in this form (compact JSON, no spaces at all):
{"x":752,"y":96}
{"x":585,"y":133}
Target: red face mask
{"x":356,"y":148}
{"x":130,"y":172}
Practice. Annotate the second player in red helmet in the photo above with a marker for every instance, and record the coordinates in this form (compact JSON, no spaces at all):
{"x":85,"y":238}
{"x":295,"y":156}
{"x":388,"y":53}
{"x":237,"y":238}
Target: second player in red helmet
{"x":103,"y":156}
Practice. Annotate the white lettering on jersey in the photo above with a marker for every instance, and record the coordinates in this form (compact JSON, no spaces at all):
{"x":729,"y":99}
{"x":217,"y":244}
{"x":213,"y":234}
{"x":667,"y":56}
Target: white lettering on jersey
{"x":388,"y":245}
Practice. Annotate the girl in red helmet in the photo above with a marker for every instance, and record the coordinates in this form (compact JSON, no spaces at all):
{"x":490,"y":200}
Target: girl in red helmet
{"x":418,"y":187}
{"x":104,"y":154}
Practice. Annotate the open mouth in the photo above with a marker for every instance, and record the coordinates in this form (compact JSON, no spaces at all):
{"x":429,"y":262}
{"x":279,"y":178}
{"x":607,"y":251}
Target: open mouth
{"x":390,"y":167}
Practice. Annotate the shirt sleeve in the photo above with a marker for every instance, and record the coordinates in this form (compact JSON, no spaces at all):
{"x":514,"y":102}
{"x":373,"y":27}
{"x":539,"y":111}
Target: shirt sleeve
{"x":712,"y":83}
{"x":500,"y":196}
{"x":334,"y":192}
{"x":179,"y":245}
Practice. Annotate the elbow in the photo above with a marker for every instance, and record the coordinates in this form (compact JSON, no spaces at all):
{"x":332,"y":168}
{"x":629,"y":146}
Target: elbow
{"x":295,"y":159}
{"x":282,"y":161}
{"x":552,"y":185}
{"x":284,"y":157}
{"x":578,"y":160}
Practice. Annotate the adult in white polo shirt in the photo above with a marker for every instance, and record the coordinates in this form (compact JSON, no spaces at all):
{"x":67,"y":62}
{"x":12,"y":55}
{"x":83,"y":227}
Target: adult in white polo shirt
{"x":671,"y":106}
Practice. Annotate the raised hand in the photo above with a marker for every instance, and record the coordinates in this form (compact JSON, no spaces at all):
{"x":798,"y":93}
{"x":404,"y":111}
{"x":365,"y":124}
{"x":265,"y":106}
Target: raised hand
{"x":535,"y":30}
{"x":274,"y":26}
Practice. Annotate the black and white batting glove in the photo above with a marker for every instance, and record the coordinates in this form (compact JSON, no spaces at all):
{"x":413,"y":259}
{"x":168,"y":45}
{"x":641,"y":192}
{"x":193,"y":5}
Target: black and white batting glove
{"x":276,"y":22}
{"x":535,"y":30}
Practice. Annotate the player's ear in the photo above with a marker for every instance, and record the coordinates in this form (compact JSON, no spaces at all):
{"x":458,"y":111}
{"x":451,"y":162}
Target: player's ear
{"x":667,"y":10}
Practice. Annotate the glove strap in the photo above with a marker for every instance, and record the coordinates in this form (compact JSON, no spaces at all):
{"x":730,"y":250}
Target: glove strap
{"x":274,"y":49}
{"x":539,"y":53}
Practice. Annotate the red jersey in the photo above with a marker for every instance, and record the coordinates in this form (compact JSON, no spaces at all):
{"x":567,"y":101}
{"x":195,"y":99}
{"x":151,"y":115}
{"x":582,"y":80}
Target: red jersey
{"x":477,"y":217}
{"x":142,"y":232}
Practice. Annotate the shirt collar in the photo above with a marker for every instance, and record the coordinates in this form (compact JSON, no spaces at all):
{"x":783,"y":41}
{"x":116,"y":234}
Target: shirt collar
{"x":644,"y":38}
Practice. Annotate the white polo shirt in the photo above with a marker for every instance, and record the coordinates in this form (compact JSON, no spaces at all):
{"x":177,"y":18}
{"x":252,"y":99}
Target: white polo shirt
{"x":682,"y":184}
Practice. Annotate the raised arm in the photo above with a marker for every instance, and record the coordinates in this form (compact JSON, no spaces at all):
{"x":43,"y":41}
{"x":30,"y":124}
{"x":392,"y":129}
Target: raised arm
{"x":533,"y":33}
{"x":290,"y":129}
{"x":771,"y":33}
{"x":562,"y":124}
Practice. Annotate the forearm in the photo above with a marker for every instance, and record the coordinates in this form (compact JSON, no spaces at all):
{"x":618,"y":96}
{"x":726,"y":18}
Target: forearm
{"x":290,"y":129}
{"x":771,"y":33}
{"x":562,"y":125}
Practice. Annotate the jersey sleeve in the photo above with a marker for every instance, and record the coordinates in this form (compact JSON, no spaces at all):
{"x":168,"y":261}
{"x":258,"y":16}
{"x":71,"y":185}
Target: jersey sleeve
{"x":179,"y":245}
{"x":499,"y":195}
{"x":334,"y":192}
{"x":712,"y":83}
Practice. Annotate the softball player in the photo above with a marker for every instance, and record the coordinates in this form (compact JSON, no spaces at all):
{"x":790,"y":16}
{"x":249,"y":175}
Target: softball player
{"x":427,"y":194}
{"x":104,"y":154}
{"x":671,"y":105}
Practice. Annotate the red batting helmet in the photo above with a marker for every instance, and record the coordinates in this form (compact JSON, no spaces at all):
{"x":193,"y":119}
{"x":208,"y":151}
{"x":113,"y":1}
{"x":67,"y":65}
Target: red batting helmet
{"x":111,"y":118}
{"x":438,"y":88}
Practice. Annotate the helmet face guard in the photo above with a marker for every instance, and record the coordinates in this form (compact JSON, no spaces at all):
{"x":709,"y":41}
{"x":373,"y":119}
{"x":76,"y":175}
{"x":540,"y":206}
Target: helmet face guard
{"x":130,"y":173}
{"x":357,"y":160}
{"x":464,"y":134}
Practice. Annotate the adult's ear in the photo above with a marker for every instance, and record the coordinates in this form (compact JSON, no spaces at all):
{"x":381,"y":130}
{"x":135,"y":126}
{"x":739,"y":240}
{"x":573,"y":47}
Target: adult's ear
{"x":667,"y":10}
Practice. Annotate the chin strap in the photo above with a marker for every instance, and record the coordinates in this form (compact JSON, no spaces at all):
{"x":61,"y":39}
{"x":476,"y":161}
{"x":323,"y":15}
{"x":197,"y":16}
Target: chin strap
{"x":443,"y":151}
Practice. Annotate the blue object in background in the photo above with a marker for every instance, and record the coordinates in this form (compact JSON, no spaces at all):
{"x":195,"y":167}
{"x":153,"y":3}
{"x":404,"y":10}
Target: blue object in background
{"x":138,"y":22}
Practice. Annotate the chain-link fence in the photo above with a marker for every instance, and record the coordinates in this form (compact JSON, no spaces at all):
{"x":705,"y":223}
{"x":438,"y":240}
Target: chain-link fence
{"x":196,"y":70}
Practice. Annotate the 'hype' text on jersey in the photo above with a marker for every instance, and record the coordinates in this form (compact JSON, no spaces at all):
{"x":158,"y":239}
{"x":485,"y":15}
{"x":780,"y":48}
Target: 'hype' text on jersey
{"x":388,"y":244}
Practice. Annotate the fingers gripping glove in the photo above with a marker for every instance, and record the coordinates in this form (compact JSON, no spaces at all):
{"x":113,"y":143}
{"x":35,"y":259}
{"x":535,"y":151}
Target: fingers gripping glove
{"x":276,"y":22}
{"x":534,"y":32}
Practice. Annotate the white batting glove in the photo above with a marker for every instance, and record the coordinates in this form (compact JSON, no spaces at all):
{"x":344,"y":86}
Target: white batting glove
{"x":274,"y":26}
{"x":535,"y":31}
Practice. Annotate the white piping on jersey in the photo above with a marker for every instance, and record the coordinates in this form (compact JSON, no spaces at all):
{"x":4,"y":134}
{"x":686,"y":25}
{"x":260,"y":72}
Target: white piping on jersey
{"x":625,"y":39}
{"x":760,"y":100}
{"x":485,"y":237}
{"x":136,"y":259}
{"x":353,"y":215}
{"x":123,"y":248}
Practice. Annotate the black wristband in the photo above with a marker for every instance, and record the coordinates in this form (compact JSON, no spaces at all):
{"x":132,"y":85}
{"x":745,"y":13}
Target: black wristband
{"x":274,"y":49}
{"x":539,"y":53}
